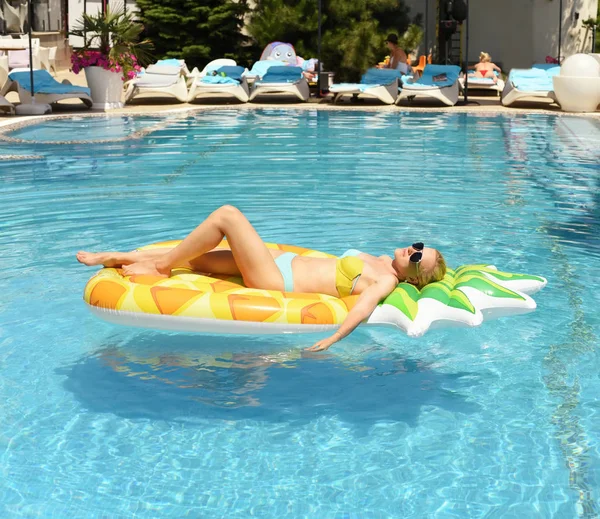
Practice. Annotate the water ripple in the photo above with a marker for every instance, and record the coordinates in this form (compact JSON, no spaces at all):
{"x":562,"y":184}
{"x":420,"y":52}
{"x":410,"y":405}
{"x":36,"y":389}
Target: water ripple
{"x":495,"y":421}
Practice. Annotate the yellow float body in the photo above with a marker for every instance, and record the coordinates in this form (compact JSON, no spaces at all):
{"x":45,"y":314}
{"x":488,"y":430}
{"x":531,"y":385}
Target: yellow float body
{"x":192,"y":302}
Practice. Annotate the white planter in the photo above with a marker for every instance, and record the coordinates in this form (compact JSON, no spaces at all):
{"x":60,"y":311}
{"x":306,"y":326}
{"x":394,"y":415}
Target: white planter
{"x":106,"y":88}
{"x":577,"y":94}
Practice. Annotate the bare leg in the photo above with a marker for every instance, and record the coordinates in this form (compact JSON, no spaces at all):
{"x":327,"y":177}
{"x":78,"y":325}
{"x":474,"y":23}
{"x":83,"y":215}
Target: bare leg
{"x":118,"y":259}
{"x":218,"y":261}
{"x":252,"y":257}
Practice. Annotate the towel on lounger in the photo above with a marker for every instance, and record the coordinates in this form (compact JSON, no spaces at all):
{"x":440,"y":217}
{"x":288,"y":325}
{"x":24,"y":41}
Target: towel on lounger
{"x":171,"y":62}
{"x":226,"y":75}
{"x":438,"y":76}
{"x":234,"y":72}
{"x":279,"y":74}
{"x":380,"y":76}
{"x":44,"y":83}
{"x":532,"y":79}
{"x":261,"y":67}
{"x":218,"y":80}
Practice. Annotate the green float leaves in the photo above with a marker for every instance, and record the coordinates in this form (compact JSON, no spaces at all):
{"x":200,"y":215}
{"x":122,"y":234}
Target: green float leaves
{"x":406,"y":297}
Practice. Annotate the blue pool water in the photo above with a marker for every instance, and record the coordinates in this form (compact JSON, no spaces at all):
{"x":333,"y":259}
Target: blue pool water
{"x":496,"y":421}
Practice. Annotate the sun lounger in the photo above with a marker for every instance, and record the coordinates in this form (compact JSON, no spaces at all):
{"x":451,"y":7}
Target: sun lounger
{"x":227,"y":81}
{"x":46,"y":89}
{"x":6,"y":108}
{"x":158,"y":81}
{"x":483,"y":83}
{"x":282,"y":80}
{"x":530,"y":84}
{"x":15,"y":16}
{"x":437,"y":82}
{"x":378,"y":83}
{"x":3,"y":70}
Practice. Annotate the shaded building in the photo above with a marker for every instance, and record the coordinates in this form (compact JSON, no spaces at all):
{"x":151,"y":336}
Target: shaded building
{"x":517,"y":33}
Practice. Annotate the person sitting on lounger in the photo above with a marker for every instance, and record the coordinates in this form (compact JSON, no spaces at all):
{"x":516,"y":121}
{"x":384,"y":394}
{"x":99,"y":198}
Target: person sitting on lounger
{"x":398,"y":59}
{"x":485,"y":68}
{"x":354,"y":273}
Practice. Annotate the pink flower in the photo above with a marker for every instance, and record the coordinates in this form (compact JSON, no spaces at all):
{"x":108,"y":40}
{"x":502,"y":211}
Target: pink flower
{"x":125,"y":63}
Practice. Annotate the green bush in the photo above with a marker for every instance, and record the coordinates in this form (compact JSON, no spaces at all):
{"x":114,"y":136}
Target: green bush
{"x":353,"y":32}
{"x":197,"y":31}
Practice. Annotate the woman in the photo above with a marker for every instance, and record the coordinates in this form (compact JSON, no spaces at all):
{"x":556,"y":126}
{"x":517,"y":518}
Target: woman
{"x":371,"y":277}
{"x":398,"y":58}
{"x":485,"y":68}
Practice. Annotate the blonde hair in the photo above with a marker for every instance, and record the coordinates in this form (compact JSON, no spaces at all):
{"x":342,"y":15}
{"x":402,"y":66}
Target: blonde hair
{"x":437,"y":273}
{"x":485,"y":57}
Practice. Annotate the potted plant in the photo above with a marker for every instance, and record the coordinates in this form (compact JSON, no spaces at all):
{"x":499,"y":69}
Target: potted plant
{"x":112,"y":52}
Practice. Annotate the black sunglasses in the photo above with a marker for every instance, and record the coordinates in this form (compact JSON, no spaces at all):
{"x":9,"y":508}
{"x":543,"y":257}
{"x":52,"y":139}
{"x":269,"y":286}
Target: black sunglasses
{"x":417,"y":256}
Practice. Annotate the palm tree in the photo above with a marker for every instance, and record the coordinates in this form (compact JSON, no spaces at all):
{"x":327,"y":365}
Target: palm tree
{"x":115,"y":35}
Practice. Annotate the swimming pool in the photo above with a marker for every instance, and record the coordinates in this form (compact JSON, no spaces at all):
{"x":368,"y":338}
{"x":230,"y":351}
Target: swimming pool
{"x":495,"y":421}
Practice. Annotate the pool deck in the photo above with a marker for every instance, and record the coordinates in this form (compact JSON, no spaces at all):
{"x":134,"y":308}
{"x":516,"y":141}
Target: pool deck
{"x":479,"y":104}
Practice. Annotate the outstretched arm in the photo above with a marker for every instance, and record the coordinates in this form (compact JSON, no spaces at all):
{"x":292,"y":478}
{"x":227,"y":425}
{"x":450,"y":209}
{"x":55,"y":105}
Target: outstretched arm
{"x":367,"y":302}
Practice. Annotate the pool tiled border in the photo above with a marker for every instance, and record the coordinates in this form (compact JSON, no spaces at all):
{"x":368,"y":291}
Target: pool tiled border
{"x":30,"y":121}
{"x":14,"y":123}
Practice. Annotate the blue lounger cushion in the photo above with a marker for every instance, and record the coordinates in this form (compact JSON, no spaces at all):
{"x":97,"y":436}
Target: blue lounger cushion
{"x":535,"y":79}
{"x":437,"y":76}
{"x":44,"y":83}
{"x":380,"y":76}
{"x":282,"y":74}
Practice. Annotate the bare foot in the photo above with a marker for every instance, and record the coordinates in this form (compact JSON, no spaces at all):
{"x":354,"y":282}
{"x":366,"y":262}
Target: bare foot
{"x":145,"y":267}
{"x":97,"y":258}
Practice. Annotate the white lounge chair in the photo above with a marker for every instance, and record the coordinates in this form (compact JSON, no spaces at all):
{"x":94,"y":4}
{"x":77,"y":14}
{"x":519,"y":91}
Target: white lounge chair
{"x":530,"y":84}
{"x":3,"y":70}
{"x":282,"y":80}
{"x":19,"y":59}
{"x":437,"y":82}
{"x":381,"y":84}
{"x":225,"y":81}
{"x":46,"y":89}
{"x":41,"y":55}
{"x":15,"y":16}
{"x":174,"y":62}
{"x":52,"y":59}
{"x":158,"y":81}
{"x":483,"y":83}
{"x":6,"y":108}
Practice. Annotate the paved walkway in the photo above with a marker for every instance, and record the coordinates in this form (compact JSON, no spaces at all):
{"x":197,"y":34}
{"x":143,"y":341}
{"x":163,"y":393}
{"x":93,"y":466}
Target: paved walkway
{"x":483,"y":104}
